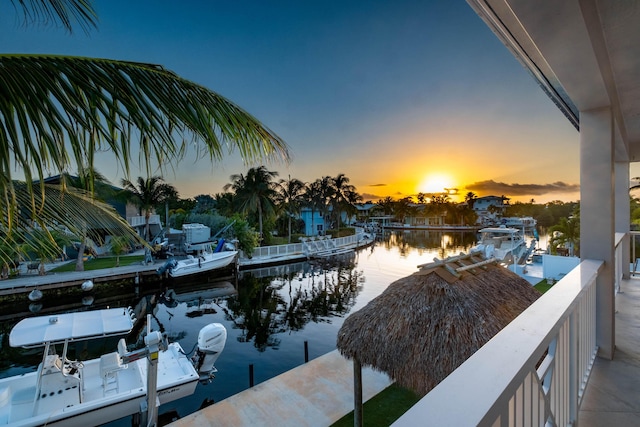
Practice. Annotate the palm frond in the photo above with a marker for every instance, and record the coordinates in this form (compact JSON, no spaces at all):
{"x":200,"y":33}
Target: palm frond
{"x":69,"y":212}
{"x":63,"y":12}
{"x":93,"y":104}
{"x":57,"y":110}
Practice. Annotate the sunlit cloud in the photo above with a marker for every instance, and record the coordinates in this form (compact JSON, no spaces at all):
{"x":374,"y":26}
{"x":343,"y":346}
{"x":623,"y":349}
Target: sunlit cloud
{"x":377,"y":185}
{"x":369,"y":196}
{"x":493,"y":187}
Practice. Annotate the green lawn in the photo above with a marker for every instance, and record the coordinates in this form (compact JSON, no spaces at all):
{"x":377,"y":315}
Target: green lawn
{"x":99,"y":263}
{"x":384,"y":408}
{"x":543,"y":286}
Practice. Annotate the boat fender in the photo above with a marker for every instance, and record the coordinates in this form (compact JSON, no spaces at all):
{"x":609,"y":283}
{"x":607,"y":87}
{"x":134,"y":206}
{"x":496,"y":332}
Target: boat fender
{"x":87,"y":285}
{"x":35,"y":295}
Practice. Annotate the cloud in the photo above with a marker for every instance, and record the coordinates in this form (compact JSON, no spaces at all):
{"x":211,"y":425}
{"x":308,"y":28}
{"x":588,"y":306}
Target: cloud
{"x":494,"y":187}
{"x":369,"y":196}
{"x":377,"y":185}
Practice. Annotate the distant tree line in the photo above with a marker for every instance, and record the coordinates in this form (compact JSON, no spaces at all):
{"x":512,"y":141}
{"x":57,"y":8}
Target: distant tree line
{"x":546,"y":214}
{"x":270,"y":205}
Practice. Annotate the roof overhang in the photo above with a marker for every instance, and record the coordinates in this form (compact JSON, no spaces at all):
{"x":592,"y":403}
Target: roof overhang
{"x":585,"y":54}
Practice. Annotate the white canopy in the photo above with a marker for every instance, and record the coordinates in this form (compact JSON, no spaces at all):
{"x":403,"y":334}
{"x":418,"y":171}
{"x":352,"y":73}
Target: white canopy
{"x":500,"y":230}
{"x":58,"y":328}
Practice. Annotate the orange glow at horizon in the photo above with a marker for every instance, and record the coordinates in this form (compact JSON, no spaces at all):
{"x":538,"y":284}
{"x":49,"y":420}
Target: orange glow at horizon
{"x":435,"y":183}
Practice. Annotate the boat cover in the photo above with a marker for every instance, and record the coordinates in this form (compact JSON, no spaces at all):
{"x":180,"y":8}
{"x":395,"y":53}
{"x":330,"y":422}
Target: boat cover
{"x":58,"y":328}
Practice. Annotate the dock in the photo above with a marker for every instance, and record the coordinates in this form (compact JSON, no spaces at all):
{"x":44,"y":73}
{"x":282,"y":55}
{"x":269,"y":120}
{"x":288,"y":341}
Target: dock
{"x":315,"y":394}
{"x":25,"y":283}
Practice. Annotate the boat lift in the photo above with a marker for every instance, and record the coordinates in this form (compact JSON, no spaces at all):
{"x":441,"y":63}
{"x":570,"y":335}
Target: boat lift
{"x":154,"y":343}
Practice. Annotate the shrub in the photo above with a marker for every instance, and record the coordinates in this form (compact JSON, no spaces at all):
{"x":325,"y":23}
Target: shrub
{"x":350,"y":231}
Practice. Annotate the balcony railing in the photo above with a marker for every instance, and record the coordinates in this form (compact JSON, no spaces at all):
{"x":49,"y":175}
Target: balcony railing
{"x":534,"y":371}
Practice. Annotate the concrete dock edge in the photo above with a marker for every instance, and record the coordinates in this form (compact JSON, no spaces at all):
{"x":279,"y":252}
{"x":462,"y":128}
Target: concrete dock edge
{"x":315,"y":394}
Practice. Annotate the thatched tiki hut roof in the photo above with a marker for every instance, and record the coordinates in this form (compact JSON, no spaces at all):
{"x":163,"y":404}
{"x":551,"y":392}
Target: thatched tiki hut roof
{"x":422,"y":327}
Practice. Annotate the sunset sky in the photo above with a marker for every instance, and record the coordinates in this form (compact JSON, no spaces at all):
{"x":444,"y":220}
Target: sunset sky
{"x":402,"y":97}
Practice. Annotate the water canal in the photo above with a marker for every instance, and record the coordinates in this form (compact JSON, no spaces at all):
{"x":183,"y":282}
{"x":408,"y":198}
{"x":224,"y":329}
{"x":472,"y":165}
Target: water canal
{"x":270,"y":315}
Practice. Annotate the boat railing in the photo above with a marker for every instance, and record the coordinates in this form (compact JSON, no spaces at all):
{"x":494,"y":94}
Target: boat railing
{"x":536,"y":368}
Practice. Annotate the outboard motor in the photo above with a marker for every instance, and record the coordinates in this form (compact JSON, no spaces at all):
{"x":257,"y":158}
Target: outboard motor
{"x":211,"y":341}
{"x":167,"y":266}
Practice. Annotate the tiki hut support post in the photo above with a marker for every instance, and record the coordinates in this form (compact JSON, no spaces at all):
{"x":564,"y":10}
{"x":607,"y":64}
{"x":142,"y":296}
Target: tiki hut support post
{"x":357,"y":393}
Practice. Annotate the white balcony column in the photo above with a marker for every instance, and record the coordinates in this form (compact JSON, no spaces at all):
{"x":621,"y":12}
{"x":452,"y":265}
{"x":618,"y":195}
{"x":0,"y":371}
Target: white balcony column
{"x":623,"y":213}
{"x":597,"y":216}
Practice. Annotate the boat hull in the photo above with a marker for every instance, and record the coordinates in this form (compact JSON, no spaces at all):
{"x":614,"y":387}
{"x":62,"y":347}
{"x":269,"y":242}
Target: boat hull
{"x":198,"y":265}
{"x":68,"y":400}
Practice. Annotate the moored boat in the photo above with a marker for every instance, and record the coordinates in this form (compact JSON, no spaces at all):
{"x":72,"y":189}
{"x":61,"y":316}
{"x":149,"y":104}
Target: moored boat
{"x":64,"y":392}
{"x":205,"y":259}
{"x":506,"y":244}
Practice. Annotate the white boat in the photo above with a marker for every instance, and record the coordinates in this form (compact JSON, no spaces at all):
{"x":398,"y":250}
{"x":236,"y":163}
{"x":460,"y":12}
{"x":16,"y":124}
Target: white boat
{"x":204,"y":260}
{"x":65,"y":392}
{"x":526,"y":222}
{"x":506,"y":244}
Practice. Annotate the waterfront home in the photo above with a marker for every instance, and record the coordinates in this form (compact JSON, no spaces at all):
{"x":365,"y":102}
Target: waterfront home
{"x":316,"y":224}
{"x":585,"y":54}
{"x":489,"y":208}
{"x":126,"y":210}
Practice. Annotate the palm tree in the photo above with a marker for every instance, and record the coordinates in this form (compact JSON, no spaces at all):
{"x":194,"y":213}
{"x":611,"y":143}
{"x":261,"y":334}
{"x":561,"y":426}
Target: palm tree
{"x":147,"y":194}
{"x":224,"y":204}
{"x":386,"y":205}
{"x":13,"y":254}
{"x":341,"y":187}
{"x":255,"y":193}
{"x":119,"y":245}
{"x":42,"y":246}
{"x":326,"y":192}
{"x":60,"y":109}
{"x":290,"y":194}
{"x":313,"y":198}
{"x":351,"y":198}
{"x":403,"y":208}
{"x":470,"y":198}
{"x":96,"y":184}
{"x":566,"y":233}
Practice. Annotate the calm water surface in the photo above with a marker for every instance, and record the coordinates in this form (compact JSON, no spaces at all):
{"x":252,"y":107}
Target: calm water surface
{"x":273,"y":313}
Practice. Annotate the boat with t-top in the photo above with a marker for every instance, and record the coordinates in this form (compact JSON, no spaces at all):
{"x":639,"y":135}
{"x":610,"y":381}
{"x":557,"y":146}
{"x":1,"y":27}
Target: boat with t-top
{"x":205,"y":258}
{"x":64,"y":392}
{"x":506,"y":244}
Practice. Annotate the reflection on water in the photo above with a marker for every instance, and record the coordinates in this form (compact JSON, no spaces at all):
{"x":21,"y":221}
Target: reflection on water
{"x":269,"y":314}
{"x":268,"y":307}
{"x":426,"y":241}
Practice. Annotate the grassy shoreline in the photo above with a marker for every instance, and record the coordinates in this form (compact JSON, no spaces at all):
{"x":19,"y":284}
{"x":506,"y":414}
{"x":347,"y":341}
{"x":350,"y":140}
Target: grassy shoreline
{"x":99,"y":263}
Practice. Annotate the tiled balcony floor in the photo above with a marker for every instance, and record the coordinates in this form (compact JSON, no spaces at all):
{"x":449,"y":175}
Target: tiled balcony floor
{"x":612,"y":397}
